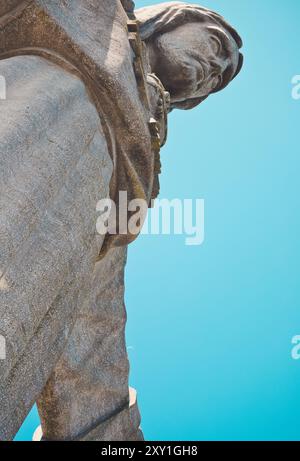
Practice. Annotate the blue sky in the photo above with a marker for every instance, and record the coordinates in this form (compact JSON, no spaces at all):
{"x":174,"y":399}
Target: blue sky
{"x":210,"y":327}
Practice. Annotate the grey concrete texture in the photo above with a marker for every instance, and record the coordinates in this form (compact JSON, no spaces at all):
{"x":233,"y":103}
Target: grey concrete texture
{"x":55,"y":166}
{"x":89,"y":387}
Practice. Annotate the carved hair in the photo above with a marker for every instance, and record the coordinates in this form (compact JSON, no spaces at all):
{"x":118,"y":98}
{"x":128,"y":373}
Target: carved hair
{"x":159,"y":19}
{"x":128,"y":5}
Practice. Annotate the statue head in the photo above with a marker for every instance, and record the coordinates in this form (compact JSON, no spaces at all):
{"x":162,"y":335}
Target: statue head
{"x":193,"y":50}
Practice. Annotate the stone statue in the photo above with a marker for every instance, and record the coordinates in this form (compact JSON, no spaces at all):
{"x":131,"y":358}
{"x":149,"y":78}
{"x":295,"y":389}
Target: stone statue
{"x":208,"y":57}
{"x":89,"y":87}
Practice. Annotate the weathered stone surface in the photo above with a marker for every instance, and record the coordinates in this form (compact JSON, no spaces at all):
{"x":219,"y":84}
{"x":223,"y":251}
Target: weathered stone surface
{"x":113,"y":425}
{"x":55,"y":166}
{"x":87,"y":395}
{"x":8,"y":6}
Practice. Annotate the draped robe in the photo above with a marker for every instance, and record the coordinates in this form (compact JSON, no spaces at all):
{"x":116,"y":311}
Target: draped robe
{"x":73,"y":130}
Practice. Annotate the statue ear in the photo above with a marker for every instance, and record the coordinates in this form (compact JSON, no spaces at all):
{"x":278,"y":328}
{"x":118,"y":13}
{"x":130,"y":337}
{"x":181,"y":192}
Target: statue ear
{"x":228,"y":80}
{"x":188,"y":104}
{"x":240,"y":65}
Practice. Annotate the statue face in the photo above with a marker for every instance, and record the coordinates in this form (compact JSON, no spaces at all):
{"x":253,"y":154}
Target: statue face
{"x":194,"y":59}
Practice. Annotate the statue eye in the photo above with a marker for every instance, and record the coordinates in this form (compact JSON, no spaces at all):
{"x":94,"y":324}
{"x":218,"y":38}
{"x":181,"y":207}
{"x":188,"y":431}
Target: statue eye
{"x":216,"y":44}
